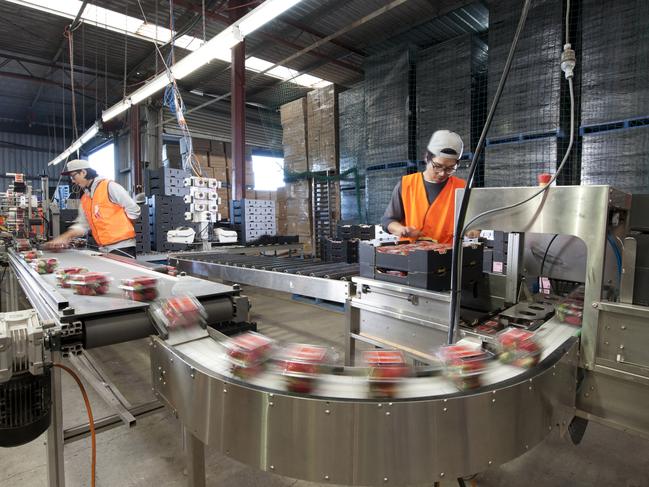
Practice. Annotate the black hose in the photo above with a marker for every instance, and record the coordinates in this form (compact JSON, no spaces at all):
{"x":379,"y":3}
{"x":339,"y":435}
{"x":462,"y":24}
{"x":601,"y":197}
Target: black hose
{"x":457,"y":240}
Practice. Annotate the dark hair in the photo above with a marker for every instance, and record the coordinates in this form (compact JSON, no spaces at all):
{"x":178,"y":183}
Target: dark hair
{"x":91,"y":173}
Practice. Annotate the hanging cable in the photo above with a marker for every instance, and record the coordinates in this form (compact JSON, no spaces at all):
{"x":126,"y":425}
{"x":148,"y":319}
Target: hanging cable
{"x":91,"y":422}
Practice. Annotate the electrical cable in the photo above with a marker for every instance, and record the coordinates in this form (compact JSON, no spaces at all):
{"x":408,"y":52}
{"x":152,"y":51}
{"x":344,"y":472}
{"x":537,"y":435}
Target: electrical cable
{"x":457,"y":240}
{"x":546,"y":253}
{"x":618,"y":255}
{"x":91,"y":422}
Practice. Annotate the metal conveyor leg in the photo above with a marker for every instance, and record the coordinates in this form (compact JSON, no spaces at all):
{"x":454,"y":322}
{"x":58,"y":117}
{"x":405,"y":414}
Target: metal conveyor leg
{"x":195,"y":455}
{"x":55,"y":459}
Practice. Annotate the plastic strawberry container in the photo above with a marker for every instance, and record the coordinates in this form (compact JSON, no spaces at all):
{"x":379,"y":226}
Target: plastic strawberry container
{"x":570,"y":312}
{"x":140,"y":288}
{"x":63,"y":276}
{"x":247,"y":353}
{"x":23,"y":244}
{"x":44,"y":266}
{"x":90,"y":283}
{"x":464,"y":365}
{"x":31,"y":255}
{"x":387,"y":368}
{"x":182,"y":311}
{"x":302,"y":364}
{"x":518,"y":347}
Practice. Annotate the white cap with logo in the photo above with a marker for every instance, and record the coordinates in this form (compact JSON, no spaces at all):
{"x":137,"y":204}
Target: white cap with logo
{"x":447,"y":144}
{"x":75,"y":165}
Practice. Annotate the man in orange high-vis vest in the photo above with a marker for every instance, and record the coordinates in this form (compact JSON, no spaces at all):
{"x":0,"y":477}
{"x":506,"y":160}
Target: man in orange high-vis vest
{"x":423,"y":204}
{"x":106,"y":210}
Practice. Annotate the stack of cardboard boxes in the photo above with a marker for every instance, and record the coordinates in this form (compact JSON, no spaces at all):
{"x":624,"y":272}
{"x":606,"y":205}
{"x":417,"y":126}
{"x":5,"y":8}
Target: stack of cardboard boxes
{"x":293,"y":209}
{"x":215,"y":161}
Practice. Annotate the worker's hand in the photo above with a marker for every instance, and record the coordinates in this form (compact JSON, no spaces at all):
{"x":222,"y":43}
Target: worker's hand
{"x":57,"y":243}
{"x":411,"y":232}
{"x":473,"y":234}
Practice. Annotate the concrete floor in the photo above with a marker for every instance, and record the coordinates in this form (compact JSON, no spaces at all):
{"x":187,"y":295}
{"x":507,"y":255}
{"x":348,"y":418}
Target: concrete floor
{"x":150,"y":453}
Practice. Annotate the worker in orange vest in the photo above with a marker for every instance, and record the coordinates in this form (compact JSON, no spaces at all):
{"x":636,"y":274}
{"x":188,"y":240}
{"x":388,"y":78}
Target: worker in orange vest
{"x":423,"y":204}
{"x":106,"y":210}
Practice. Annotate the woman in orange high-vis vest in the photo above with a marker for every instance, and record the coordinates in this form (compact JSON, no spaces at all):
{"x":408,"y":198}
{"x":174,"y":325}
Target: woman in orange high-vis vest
{"x":423,"y":204}
{"x":106,"y":210}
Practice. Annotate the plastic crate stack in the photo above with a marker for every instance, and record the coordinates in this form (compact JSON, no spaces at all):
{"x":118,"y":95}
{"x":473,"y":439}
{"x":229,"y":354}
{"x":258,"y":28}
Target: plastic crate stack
{"x":528,"y":116}
{"x":615,"y":94}
{"x":167,"y":181}
{"x":166,"y":213}
{"x":254,"y":218}
{"x":143,"y":231}
{"x":334,"y":250}
{"x":352,"y":143}
{"x":389,"y":99}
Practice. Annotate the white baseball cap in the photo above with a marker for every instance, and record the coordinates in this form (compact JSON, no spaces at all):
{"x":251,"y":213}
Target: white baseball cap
{"x":445,"y":143}
{"x":75,"y":165}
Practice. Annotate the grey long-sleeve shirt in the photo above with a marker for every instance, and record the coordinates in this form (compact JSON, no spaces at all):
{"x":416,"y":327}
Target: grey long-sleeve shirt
{"x":395,"y":212}
{"x":117,"y":195}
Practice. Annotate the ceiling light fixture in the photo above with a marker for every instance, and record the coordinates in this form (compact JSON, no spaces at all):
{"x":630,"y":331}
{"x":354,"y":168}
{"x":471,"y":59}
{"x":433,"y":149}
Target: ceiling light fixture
{"x":215,"y":47}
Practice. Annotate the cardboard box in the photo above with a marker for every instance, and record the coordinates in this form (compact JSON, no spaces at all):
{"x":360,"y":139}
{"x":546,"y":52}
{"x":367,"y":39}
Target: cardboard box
{"x":298,"y":209}
{"x":202,"y":158}
{"x":201,"y":145}
{"x":322,"y":129}
{"x":218,"y":161}
{"x":297,"y":190}
{"x":219,"y":173}
{"x":298,"y":227}
{"x":207,"y":172}
{"x":294,"y":135}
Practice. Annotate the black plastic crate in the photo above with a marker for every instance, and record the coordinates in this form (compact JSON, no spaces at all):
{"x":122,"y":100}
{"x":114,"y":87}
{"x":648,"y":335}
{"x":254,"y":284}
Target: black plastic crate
{"x":426,"y":269}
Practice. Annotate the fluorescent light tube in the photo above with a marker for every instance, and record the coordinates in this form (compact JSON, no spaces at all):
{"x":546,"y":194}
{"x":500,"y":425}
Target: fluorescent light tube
{"x":217,"y":47}
{"x":89,"y":134}
{"x":150,"y":88}
{"x":116,"y":109}
{"x":263,"y":14}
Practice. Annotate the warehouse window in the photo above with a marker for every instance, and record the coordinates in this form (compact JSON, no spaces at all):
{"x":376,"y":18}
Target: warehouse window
{"x":103,"y":161}
{"x":269,"y":172}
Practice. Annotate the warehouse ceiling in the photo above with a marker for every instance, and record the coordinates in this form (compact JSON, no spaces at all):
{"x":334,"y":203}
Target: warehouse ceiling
{"x":315,"y":42}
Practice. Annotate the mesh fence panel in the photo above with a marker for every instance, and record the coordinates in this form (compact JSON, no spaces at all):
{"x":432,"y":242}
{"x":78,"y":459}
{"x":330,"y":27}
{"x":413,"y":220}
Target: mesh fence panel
{"x":619,"y":158}
{"x":352,"y":143}
{"x":445,"y":77}
{"x":378,"y":190}
{"x":615,"y":61}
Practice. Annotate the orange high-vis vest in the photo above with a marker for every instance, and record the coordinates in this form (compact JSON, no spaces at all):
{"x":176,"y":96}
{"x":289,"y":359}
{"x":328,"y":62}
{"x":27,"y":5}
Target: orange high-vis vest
{"x":108,"y":221}
{"x":437,"y":220}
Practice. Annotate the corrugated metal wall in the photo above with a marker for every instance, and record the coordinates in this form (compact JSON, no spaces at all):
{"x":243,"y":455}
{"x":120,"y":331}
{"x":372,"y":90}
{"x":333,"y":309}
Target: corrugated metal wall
{"x":28,"y":154}
{"x":263,"y":128}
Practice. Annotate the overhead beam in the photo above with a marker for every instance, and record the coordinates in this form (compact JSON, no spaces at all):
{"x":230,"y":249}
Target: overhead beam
{"x":56,"y":65}
{"x":43,"y":81}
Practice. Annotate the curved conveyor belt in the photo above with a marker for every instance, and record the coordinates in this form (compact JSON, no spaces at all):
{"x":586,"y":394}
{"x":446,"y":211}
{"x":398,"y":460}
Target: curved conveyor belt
{"x":430,"y":433}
